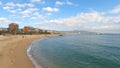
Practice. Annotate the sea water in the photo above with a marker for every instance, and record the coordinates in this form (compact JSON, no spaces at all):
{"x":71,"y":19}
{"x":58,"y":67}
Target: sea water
{"x":76,"y":51}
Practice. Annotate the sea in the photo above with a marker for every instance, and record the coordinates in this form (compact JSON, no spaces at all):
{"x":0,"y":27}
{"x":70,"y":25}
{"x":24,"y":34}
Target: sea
{"x":76,"y":51}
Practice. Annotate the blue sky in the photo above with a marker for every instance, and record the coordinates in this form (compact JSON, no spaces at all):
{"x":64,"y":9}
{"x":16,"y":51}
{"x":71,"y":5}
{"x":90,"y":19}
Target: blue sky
{"x":90,"y":15}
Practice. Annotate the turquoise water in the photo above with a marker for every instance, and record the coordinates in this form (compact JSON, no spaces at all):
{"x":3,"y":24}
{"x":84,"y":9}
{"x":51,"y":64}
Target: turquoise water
{"x":78,"y":51}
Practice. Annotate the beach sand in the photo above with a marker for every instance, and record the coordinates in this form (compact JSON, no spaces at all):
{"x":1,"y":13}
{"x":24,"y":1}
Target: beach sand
{"x":13,"y":51}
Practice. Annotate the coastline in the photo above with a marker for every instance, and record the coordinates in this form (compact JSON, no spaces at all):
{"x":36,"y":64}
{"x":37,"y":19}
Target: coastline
{"x":13,"y":50}
{"x":31,"y":57}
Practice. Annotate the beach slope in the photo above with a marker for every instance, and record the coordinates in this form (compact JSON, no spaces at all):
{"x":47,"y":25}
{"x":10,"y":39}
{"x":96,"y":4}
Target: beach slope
{"x":13,"y":51}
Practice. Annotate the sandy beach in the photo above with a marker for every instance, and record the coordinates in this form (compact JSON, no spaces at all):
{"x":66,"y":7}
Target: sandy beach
{"x":13,"y":51}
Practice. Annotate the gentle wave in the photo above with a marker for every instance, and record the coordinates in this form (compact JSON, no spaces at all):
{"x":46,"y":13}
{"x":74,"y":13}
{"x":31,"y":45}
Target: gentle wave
{"x":29,"y":49}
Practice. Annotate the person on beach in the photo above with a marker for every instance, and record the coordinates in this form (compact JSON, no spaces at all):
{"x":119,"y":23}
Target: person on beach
{"x":23,"y":37}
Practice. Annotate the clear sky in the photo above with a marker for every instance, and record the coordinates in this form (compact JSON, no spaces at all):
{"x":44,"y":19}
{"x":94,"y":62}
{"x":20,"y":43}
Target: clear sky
{"x":90,"y":15}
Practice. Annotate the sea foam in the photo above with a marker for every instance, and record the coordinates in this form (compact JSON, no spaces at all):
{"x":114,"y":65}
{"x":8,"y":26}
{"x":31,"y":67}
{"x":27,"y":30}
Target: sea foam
{"x":29,"y":49}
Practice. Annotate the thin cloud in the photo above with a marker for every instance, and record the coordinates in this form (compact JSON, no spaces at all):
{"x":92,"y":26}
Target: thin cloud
{"x":16,"y":7}
{"x":50,"y":9}
{"x":5,"y":20}
{"x":24,"y":10}
{"x":59,"y":3}
{"x":29,"y":11}
{"x":65,"y":3}
{"x":69,"y":3}
{"x":38,"y":1}
{"x":11,"y":4}
{"x":0,"y":3}
{"x":35,"y":0}
{"x":116,"y":9}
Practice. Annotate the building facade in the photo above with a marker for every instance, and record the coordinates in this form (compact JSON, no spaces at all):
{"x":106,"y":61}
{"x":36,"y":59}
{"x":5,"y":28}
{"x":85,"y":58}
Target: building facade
{"x":13,"y":27}
{"x":25,"y":29}
{"x":28,"y":29}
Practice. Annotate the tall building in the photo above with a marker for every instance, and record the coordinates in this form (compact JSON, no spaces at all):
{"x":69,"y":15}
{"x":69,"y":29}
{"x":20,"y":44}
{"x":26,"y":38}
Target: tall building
{"x":13,"y":27}
{"x":28,"y":29}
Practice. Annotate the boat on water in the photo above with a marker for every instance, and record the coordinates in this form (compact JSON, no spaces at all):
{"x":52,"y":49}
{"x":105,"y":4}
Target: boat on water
{"x":60,"y":35}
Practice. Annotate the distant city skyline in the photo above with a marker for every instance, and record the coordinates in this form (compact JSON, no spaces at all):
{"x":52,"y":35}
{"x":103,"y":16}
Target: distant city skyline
{"x":89,"y":15}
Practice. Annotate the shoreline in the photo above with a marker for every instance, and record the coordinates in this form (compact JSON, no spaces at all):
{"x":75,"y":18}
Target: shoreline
{"x":31,"y":57}
{"x":13,"y":50}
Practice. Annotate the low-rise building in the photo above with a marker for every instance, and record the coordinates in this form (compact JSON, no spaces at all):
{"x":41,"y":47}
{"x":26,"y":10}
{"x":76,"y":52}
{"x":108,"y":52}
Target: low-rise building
{"x":37,"y":30}
{"x":0,"y":28}
{"x":3,"y":29}
{"x":50,"y":31}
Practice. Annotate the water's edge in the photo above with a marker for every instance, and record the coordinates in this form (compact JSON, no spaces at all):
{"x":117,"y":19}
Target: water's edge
{"x":29,"y":49}
{"x":29,"y":54}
